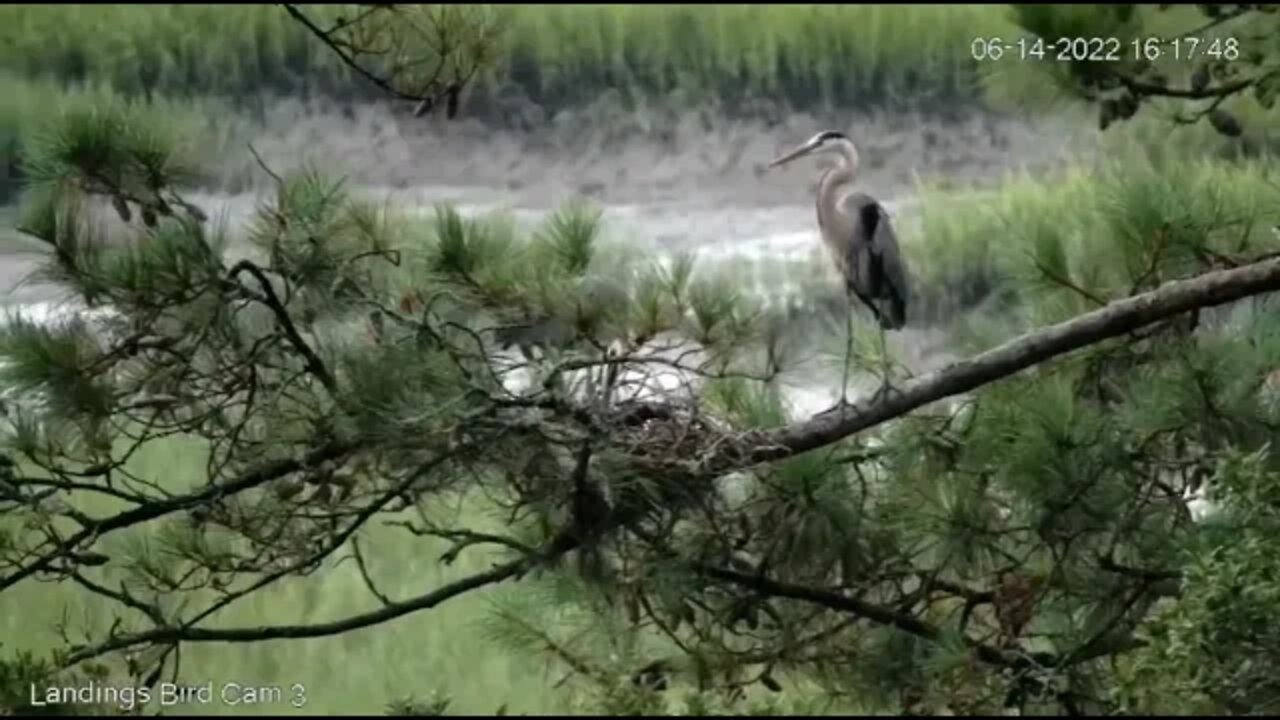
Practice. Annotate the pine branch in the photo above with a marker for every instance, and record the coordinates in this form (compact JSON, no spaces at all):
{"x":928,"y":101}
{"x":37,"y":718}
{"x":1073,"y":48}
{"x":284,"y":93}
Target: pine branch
{"x":860,"y":608}
{"x":122,"y":596}
{"x":1219,"y":92}
{"x":563,"y":543}
{"x":434,"y":88}
{"x":314,"y":364}
{"x":327,"y":38}
{"x":165,"y":635}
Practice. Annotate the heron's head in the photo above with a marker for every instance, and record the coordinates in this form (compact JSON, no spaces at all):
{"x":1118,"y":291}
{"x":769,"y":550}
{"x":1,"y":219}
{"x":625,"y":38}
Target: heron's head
{"x":824,"y":143}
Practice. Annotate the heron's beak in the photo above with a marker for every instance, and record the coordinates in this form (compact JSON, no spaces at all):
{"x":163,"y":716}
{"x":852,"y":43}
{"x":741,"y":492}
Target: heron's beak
{"x":797,"y":153}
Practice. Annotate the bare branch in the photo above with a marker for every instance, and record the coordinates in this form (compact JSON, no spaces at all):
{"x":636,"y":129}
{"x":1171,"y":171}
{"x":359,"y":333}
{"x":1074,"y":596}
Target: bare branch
{"x":327,"y":39}
{"x":314,"y":364}
{"x":122,"y":596}
{"x":436,"y":86}
{"x":364,"y":573}
{"x":266,"y":168}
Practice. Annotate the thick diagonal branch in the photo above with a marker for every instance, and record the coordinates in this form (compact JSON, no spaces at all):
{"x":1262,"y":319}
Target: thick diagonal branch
{"x":1114,"y":320}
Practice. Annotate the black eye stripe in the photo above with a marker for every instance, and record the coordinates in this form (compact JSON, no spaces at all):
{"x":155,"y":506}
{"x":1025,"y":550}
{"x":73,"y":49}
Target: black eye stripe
{"x":831,"y":135}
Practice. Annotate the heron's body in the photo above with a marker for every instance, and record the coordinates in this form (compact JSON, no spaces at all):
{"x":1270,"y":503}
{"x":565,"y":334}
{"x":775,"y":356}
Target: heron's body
{"x":871,"y":264}
{"x":858,"y":234}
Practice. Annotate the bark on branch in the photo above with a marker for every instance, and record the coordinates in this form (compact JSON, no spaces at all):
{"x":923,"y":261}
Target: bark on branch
{"x":1115,"y":319}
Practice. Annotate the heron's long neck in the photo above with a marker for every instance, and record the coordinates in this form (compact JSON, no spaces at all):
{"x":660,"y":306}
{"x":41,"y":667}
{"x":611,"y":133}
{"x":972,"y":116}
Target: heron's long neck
{"x":833,"y":182}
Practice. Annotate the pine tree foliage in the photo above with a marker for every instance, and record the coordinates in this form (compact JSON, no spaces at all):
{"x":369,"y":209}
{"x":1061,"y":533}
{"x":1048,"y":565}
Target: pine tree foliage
{"x":1215,"y":647}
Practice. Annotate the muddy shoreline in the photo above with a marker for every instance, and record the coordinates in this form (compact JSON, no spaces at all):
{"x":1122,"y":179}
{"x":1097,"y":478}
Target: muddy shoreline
{"x":652,"y":156}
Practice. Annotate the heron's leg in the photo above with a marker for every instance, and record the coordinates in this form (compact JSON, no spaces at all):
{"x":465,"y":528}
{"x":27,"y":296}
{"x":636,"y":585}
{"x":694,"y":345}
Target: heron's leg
{"x":884,"y":359}
{"x":886,"y":383}
{"x":848,"y":350}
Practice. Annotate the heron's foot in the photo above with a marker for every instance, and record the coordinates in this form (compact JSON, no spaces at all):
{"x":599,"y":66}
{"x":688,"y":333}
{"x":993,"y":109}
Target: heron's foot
{"x":840,"y":407}
{"x":885,"y":390}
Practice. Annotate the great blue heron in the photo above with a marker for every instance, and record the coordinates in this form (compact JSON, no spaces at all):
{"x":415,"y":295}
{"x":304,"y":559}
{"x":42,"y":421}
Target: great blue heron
{"x":859,"y":236}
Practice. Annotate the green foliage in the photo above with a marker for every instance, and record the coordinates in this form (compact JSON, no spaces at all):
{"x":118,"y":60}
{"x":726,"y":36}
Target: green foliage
{"x":746,"y":403}
{"x":113,"y":146}
{"x":461,"y":245}
{"x":1073,"y":21}
{"x":1215,"y":648}
{"x":51,"y":360}
{"x":319,"y":237}
{"x":570,"y":236}
{"x":173,"y":259}
{"x":162,"y":132}
{"x":1189,"y":63}
{"x":1045,"y":249}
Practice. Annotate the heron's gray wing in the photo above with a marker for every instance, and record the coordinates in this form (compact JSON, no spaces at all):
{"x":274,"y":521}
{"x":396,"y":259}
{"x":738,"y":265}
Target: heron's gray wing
{"x":881,"y":273}
{"x":884,"y":245}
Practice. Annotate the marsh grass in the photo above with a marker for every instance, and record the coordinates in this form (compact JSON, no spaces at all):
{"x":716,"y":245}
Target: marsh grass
{"x":866,"y":56}
{"x":556,"y":54}
{"x":871,"y":55}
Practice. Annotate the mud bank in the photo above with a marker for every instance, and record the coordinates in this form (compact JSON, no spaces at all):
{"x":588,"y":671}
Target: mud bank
{"x":656,"y":155}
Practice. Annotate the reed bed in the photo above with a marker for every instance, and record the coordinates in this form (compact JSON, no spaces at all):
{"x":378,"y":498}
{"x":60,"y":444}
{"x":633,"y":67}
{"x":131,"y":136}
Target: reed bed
{"x":555,"y":54}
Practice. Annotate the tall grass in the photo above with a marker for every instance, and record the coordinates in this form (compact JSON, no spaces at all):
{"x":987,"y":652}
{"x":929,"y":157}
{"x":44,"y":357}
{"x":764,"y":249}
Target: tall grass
{"x":805,"y":54}
{"x":556,"y":54}
{"x":173,"y":49}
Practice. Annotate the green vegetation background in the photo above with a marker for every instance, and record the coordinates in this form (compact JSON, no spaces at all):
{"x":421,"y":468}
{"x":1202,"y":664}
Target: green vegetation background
{"x":557,"y":56}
